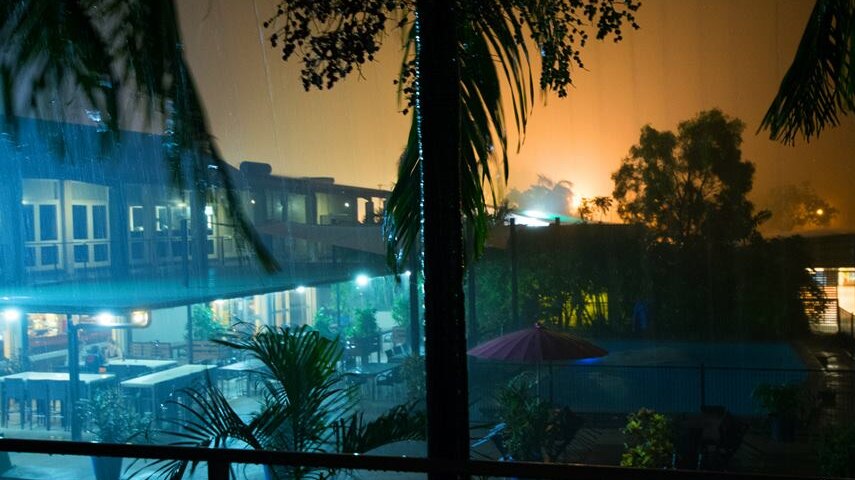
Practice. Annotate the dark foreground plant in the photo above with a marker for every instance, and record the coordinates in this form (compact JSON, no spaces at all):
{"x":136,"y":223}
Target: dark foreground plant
{"x":305,"y":406}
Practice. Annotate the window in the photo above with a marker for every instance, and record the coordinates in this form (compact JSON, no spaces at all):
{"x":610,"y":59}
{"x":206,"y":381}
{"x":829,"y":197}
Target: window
{"x":79,"y":222}
{"x":48,"y":222}
{"x":99,"y":222}
{"x":136,"y":219}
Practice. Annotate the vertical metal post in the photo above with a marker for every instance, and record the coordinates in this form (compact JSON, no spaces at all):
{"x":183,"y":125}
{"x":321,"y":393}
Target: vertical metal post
{"x":472,"y":317}
{"x":415,"y":320}
{"x":189,"y":333}
{"x":515,"y":305}
{"x":438,"y":124}
{"x":185,"y":253}
{"x":73,"y":378}
{"x":703,"y":378}
{"x":25,"y":341}
{"x":218,"y":470}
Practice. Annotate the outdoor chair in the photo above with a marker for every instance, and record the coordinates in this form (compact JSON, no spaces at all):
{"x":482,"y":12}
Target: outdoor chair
{"x":687,"y":449}
{"x":57,"y":403}
{"x":38,"y":403}
{"x":731,"y":433}
{"x":495,"y":438}
{"x":14,"y":391}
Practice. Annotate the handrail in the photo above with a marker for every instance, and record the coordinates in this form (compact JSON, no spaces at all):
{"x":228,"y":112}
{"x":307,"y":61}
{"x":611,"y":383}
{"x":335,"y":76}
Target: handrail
{"x":220,"y":459}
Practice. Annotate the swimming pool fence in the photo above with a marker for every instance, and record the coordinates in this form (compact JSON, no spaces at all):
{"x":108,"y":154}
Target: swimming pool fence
{"x":674,"y":389}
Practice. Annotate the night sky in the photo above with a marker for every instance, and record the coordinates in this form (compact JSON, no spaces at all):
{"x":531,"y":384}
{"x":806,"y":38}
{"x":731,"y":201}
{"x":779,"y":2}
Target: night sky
{"x":689,"y":55}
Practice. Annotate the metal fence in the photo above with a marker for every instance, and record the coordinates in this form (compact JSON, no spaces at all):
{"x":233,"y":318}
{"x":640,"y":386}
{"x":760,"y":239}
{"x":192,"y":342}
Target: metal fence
{"x":666,"y":388}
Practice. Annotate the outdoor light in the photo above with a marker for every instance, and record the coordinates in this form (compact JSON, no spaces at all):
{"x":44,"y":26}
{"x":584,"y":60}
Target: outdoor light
{"x":301,"y":289}
{"x":407,"y":273}
{"x":362,"y":280}
{"x":346,"y":204}
{"x":252,"y":201}
{"x":219,"y":301}
{"x":12,"y":314}
{"x":127,"y":319}
{"x":139,"y":318}
{"x":209,"y":210}
{"x":820,"y":212}
{"x":105,"y":318}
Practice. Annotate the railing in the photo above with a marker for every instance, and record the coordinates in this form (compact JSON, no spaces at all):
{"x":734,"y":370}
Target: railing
{"x":600,"y":388}
{"x":220,"y":461}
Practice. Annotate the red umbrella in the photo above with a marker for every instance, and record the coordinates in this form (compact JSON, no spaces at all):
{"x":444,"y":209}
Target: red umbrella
{"x":537,"y":345}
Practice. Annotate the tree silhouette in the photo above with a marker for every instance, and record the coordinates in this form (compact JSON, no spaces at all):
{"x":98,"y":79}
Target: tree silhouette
{"x":689,"y":186}
{"x":547,"y":196}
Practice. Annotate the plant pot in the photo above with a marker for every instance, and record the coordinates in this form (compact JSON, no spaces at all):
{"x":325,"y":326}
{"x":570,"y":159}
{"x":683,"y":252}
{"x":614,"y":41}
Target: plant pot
{"x":783,"y":428}
{"x":107,"y":468}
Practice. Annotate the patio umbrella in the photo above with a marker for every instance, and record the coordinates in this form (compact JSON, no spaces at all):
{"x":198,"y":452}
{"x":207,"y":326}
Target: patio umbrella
{"x":537,"y":345}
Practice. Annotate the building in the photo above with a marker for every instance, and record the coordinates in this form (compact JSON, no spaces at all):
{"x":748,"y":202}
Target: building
{"x":95,"y":222}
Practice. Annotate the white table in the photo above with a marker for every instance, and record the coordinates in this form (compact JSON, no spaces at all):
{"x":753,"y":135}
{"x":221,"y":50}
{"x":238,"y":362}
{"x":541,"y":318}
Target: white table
{"x":160,"y":384}
{"x":246,"y":368}
{"x":368,"y":374}
{"x":88,"y":380}
{"x":134,"y":367}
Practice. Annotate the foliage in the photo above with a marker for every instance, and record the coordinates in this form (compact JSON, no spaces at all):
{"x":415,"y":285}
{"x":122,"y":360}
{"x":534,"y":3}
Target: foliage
{"x":325,"y":323}
{"x":364,"y":324}
{"x":535,"y":431}
{"x":819,"y":86}
{"x":836,"y":451}
{"x":789,"y":401}
{"x":111,"y":419}
{"x":691,"y":186}
{"x":413,"y":372}
{"x":548,"y":196}
{"x":401,"y":311}
{"x":298,"y":412}
{"x":403,"y":422}
{"x":795,"y":206}
{"x":588,"y":206}
{"x":648,"y":440}
{"x":205,"y":324}
{"x":333,"y":42}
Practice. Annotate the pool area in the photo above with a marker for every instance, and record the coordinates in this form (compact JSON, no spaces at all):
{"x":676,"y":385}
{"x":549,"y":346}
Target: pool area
{"x":668,"y":376}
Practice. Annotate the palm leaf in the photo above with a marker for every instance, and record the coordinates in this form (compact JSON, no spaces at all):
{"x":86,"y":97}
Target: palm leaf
{"x":819,"y":86}
{"x":97,"y":48}
{"x":490,"y":56}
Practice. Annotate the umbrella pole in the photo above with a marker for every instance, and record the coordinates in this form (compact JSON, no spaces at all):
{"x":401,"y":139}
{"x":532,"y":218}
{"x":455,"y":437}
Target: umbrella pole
{"x":551,"y":384}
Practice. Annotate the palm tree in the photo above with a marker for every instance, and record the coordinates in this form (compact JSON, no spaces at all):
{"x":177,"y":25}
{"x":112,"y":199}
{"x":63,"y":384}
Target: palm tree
{"x":307,"y":412}
{"x":819,"y":86}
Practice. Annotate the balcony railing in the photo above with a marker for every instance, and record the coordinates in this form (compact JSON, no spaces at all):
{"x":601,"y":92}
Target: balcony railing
{"x":220,"y":461}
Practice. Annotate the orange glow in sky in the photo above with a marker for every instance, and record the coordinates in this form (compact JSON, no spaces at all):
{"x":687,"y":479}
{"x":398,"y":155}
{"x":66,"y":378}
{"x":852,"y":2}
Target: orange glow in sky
{"x":690,"y":55}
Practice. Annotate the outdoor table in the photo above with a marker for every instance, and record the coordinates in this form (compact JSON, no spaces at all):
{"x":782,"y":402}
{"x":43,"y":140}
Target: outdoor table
{"x":248,"y":368}
{"x":159,"y":385}
{"x":369,"y":373}
{"x":88,"y":381}
{"x":133,"y":367}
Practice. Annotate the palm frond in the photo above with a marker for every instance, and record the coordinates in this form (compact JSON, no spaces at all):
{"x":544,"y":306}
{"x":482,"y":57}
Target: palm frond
{"x":490,"y":57}
{"x":819,"y":86}
{"x":90,"y":51}
{"x":403,"y":422}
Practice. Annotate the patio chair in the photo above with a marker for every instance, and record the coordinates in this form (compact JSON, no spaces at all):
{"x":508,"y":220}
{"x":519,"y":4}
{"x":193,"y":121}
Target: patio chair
{"x":731,"y":433}
{"x":57,"y":403}
{"x":38,"y":403}
{"x":14,"y":391}
{"x":495,"y":438}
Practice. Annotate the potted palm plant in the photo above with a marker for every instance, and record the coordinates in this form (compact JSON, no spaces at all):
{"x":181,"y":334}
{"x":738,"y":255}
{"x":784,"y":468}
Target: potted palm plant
{"x":109,"y":418}
{"x":304,"y":406}
{"x":786,"y":405}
